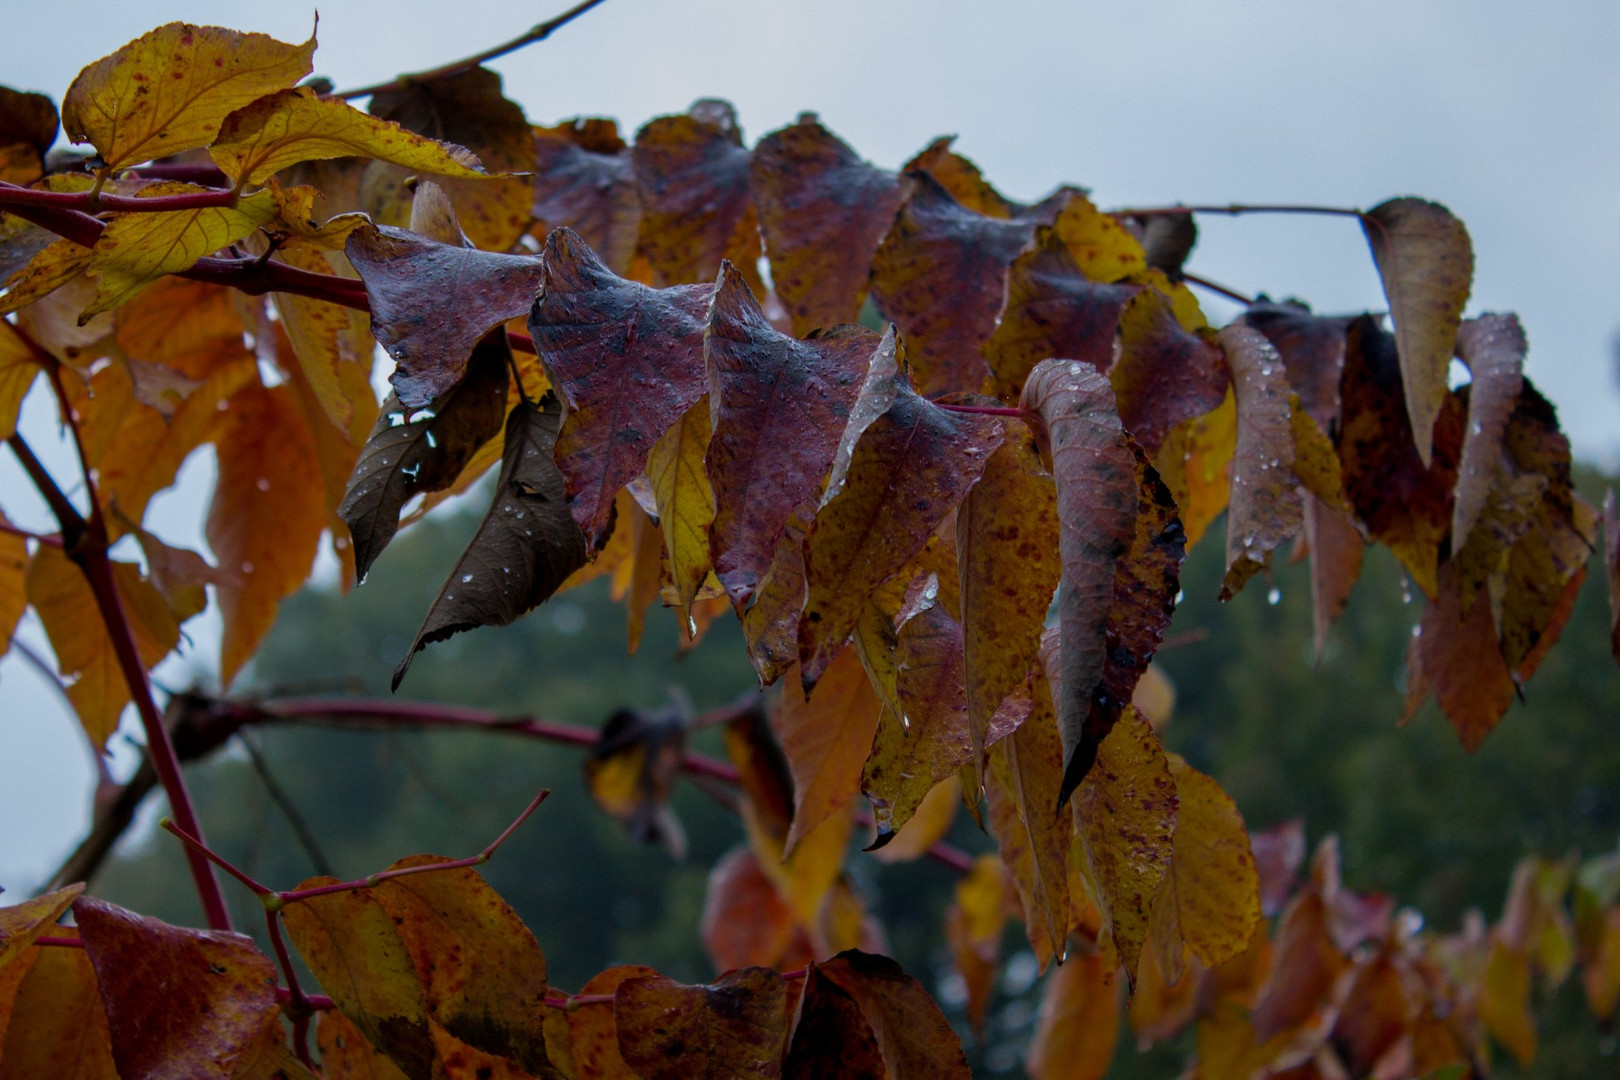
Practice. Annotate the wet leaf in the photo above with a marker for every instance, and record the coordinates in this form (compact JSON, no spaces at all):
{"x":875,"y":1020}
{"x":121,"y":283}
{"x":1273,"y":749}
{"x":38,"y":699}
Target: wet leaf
{"x":1493,"y":347}
{"x":1167,"y":373}
{"x":583,"y":179}
{"x":58,"y":1026}
{"x":1312,"y":349}
{"x":1097,"y":502}
{"x":823,"y":212}
{"x":21,"y":923}
{"x":1078,"y":1023}
{"x":685,"y":499}
{"x":333,"y":347}
{"x":771,"y":626}
{"x":482,"y":973}
{"x":170,"y":89}
{"x":1426,"y":262}
{"x":908,"y":472}
{"x":939,"y":276}
{"x":1126,"y":820}
{"x":594,"y":1031}
{"x":1265,"y":511}
{"x":746,"y":922}
{"x":431,"y":303}
{"x":692,"y":176}
{"x":1008,"y":565}
{"x":47,"y":270}
{"x":832,"y":1036}
{"x":631,"y":774}
{"x":218,"y":992}
{"x":826,"y":740}
{"x":1195,"y":463}
{"x":627,"y":361}
{"x":411,"y":452}
{"x":736,"y":1027}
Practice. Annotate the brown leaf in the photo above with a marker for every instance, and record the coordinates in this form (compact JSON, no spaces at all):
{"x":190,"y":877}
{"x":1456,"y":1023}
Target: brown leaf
{"x":1493,"y":347}
{"x":771,"y":626}
{"x":526,"y":546}
{"x":1456,"y":657}
{"x":912,"y":1035}
{"x":785,"y":409}
{"x":1336,"y":549}
{"x":632,"y":770}
{"x":1279,"y":852}
{"x":832,"y":1036}
{"x":736,"y":1027}
{"x":1097,"y":498}
{"x":746,"y":922}
{"x":21,"y":923}
{"x":412,"y":452}
{"x":432,"y":302}
{"x":1426,"y":262}
{"x":1052,"y":309}
{"x":593,"y":1031}
{"x":27,"y":119}
{"x":908,"y":472}
{"x":627,"y":361}
{"x":692,"y":176}
{"x":1265,"y":511}
{"x":1312,"y":349}
{"x":58,"y":1025}
{"x":1167,"y":372}
{"x":826,"y":739}
{"x":1078,"y":1023}
{"x":218,"y":992}
{"x":1305,"y":966}
{"x":823,"y":212}
{"x":939,"y":276}
{"x":584,"y":179}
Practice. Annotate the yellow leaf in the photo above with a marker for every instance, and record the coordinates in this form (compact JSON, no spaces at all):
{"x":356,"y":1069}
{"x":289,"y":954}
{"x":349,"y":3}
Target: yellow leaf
{"x":685,"y":499}
{"x":46,"y":272}
{"x":58,"y":1025}
{"x":334,"y":348}
{"x":1601,"y":974}
{"x":346,"y":1054}
{"x":170,"y":89}
{"x":138,"y":248}
{"x":1504,"y":1002}
{"x":21,"y":923}
{"x":1104,"y":249}
{"x":1196,"y":464}
{"x":17,"y":370}
{"x":932,"y":820}
{"x":1078,"y":1023}
{"x":13,"y":584}
{"x":283,"y":129}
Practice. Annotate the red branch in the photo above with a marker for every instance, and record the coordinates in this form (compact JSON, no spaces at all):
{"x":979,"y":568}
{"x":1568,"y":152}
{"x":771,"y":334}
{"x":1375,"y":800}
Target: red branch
{"x":96,"y":202}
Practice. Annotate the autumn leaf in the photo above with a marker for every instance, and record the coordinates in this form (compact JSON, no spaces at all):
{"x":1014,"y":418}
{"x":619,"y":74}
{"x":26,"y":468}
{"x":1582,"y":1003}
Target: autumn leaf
{"x":1455,"y":656}
{"x":627,"y":361}
{"x":1611,"y":565}
{"x":973,"y":926}
{"x":746,"y":922}
{"x":1312,"y":350}
{"x":583,"y":178}
{"x":1493,"y":347}
{"x":632,"y":770}
{"x":1426,"y":262}
{"x":912,"y":1035}
{"x":1265,"y":510}
{"x":685,"y":499}
{"x":333,"y":348}
{"x":170,"y":89}
{"x":1096,"y":504}
{"x":47,"y":270}
{"x":13,"y":583}
{"x":27,"y":120}
{"x":736,"y":1027}
{"x":410,"y":452}
{"x":783,"y":410}
{"x":832,"y":1036}
{"x":218,"y":991}
{"x":1305,"y":965}
{"x":1195,"y":463}
{"x":594,"y":1032}
{"x":58,"y":1025}
{"x":771,"y":626}
{"x":1078,"y":1022}
{"x":1504,"y":1002}
{"x":826,"y":739}
{"x":966,"y":184}
{"x":1166,"y":373}
{"x":21,"y":923}
{"x":822,"y":212}
{"x":1336,"y":550}
{"x":18,"y":367}
{"x":526,"y":546}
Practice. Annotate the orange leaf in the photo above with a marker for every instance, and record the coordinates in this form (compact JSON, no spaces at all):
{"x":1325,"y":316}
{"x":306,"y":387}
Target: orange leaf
{"x":746,"y":922}
{"x":346,"y":1054}
{"x":1195,"y":463}
{"x":1078,"y":1024}
{"x":58,"y":1026}
{"x":18,"y":366}
{"x":1375,"y":1014}
{"x":1305,"y":965}
{"x":21,"y":923}
{"x":973,"y":925}
{"x":594,"y":1032}
{"x":826,"y":740}
{"x":736,"y":1027}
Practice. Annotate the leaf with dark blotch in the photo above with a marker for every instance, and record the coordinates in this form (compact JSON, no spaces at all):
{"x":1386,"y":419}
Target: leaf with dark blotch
{"x":1456,"y":657}
{"x":1403,"y":503}
{"x":1312,"y":349}
{"x":1097,"y":496}
{"x":1166,"y":373}
{"x":1052,"y":309}
{"x":822,"y":212}
{"x":412,"y":452}
{"x":734,"y":1028}
{"x":692,"y":174}
{"x":832,"y":1037}
{"x":583,"y":179}
{"x":526,"y":546}
{"x":431,"y":303}
{"x":1078,"y":1024}
{"x":1336,"y":549}
{"x":218,"y":991}
{"x":909,"y":471}
{"x":626,"y":359}
{"x":1426,"y":262}
{"x":940,"y":277}
{"x":1265,"y":509}
{"x":913,"y":1036}
{"x":1493,"y":347}
{"x":631,"y":774}
{"x":1008,"y":568}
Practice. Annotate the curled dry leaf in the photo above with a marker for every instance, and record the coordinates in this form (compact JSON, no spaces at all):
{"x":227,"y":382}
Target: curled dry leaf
{"x":583,"y":178}
{"x":627,"y":361}
{"x":1266,"y":510}
{"x":526,"y":546}
{"x":1426,"y":262}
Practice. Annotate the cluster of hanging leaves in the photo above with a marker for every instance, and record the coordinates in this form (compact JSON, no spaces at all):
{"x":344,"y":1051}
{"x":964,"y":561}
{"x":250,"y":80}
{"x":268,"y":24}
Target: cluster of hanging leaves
{"x":955,"y":542}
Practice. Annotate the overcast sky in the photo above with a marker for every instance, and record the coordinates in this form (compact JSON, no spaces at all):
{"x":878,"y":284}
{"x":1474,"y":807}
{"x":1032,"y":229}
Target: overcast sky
{"x":1508,"y":114}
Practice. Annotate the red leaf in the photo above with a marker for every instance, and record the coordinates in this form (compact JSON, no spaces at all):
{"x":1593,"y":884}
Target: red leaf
{"x":1166,"y":373}
{"x":583,"y":179}
{"x":692,"y":174}
{"x":1265,"y":509}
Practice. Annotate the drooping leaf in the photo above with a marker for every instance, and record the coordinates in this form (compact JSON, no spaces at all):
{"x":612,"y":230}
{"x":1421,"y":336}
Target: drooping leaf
{"x":583,"y":179}
{"x":692,"y":176}
{"x":170,"y":89}
{"x":909,"y":470}
{"x":266,"y":517}
{"x":1426,"y":262}
{"x":736,"y":1027}
{"x":1336,"y":549}
{"x":1266,"y":511}
{"x":1195,"y":463}
{"x":1504,"y":1002}
{"x":13,"y":584}
{"x":832,"y":1036}
{"x":746,"y":922}
{"x":1126,"y":814}
{"x":631,"y":774}
{"x":1008,"y":565}
{"x":481,"y":970}
{"x":675,"y":467}
{"x":218,"y":992}
{"x":47,"y":270}
{"x":1167,"y":372}
{"x":1312,"y":349}
{"x":783,"y":408}
{"x":21,"y":923}
{"x":18,"y":367}
{"x":939,"y":276}
{"x":973,"y":929}
{"x":912,"y":1035}
{"x":823,"y":212}
{"x":58,"y":1025}
{"x":1455,"y":656}
{"x":1305,"y":965}
{"x":346,"y":1054}
{"x":1493,"y":347}
{"x":826,"y":740}
{"x":526,"y":546}
{"x":627,"y":361}
{"x":333,"y":348}
{"x":1053,"y":309}
{"x":431,"y":303}
{"x":1078,"y":1022}
{"x":416,"y":451}
{"x":1097,"y":502}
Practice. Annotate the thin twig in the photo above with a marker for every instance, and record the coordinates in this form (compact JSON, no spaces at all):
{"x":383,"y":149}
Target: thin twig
{"x":48,"y":539}
{"x":1235,"y":209}
{"x":537,"y":33}
{"x":278,"y":795}
{"x":1219,"y":289}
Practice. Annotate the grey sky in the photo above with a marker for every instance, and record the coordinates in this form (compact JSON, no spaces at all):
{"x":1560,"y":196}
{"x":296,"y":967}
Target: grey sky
{"x":1506,"y":112}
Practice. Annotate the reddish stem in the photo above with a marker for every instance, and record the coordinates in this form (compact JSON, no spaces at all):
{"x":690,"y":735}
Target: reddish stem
{"x":193,"y":844}
{"x":93,"y":202}
{"x":1219,"y":289}
{"x":49,"y":540}
{"x":59,"y":942}
{"x":318,"y":1002}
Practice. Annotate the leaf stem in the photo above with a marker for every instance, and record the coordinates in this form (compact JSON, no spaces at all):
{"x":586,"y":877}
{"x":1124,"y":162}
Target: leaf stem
{"x":193,"y":844}
{"x":48,"y":539}
{"x":1218,"y":289}
{"x":14,"y":196}
{"x":59,"y":942}
{"x":536,"y":33}
{"x":985,"y":410}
